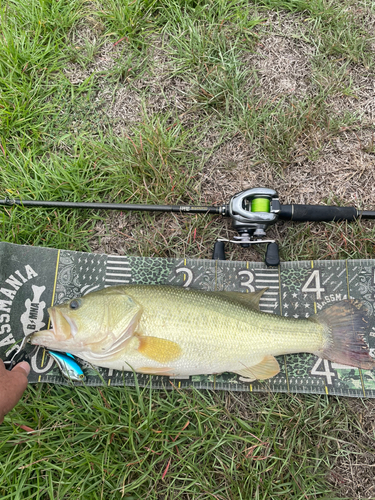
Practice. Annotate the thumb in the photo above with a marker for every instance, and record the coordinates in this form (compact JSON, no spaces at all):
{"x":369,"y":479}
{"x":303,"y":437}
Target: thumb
{"x":13,"y":387}
{"x":22,"y":367}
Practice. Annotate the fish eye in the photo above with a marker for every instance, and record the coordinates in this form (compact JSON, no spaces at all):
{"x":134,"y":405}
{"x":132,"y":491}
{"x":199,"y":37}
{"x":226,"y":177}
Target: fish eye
{"x":74,"y":304}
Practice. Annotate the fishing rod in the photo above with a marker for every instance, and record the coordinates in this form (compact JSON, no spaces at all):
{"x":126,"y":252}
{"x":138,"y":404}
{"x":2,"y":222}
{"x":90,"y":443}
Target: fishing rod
{"x":252,"y":211}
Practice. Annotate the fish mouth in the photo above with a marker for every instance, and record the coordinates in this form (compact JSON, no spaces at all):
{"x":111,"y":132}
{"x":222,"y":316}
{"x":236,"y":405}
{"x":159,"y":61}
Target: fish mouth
{"x":63,"y":329}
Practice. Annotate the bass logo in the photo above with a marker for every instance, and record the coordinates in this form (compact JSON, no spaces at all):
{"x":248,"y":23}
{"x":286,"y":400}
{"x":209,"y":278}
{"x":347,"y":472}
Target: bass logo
{"x":32,"y":318}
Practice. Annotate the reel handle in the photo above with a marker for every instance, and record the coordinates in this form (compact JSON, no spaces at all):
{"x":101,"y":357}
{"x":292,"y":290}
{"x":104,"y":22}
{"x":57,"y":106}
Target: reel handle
{"x":272,"y":258}
{"x":219,"y":251}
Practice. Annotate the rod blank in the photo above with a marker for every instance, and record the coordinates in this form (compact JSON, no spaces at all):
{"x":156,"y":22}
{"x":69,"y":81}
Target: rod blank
{"x":299,"y":213}
{"x":115,"y":206}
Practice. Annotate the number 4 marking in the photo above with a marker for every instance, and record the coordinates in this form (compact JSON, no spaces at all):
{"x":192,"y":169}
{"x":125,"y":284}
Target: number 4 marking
{"x":326,"y":373}
{"x":315,"y":275}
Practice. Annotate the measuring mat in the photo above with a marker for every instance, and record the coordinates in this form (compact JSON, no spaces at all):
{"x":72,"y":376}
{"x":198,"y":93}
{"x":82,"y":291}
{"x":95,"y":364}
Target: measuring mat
{"x":32,"y":279}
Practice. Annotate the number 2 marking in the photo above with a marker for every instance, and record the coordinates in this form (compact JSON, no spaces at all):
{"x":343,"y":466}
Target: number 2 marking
{"x":189,"y":274}
{"x":315,"y":275}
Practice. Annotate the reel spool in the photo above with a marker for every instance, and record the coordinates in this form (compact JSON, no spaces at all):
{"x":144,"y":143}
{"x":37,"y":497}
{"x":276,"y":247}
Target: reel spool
{"x":260,"y":205}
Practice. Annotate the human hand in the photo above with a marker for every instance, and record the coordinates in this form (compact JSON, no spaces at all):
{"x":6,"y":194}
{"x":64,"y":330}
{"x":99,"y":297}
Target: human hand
{"x":12,"y":386}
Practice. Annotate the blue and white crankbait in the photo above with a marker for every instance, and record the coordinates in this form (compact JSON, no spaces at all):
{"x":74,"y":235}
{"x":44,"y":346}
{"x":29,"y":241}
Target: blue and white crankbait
{"x":67,"y":365}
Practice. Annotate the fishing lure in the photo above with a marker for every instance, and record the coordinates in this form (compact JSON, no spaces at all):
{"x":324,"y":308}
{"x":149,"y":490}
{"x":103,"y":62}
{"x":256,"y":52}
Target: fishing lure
{"x":69,"y":368}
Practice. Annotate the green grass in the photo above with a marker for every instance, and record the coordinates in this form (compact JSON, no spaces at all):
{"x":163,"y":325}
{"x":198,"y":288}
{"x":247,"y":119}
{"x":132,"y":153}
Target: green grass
{"x":328,"y":241}
{"x":132,"y":443}
{"x":184,"y":66}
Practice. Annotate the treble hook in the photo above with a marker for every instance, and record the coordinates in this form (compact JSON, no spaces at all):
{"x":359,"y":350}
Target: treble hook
{"x":20,"y":355}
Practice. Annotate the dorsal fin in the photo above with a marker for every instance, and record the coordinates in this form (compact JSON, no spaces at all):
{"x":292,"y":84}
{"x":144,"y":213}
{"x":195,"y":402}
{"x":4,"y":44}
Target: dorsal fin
{"x":248,"y":299}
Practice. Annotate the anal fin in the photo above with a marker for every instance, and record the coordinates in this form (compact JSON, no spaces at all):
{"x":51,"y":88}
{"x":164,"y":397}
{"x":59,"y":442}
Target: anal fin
{"x":149,"y":370}
{"x":160,"y":350}
{"x":267,"y":368}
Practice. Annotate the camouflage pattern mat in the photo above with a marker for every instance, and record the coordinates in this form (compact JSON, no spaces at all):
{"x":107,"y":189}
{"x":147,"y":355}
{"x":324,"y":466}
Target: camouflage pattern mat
{"x":32,"y":278}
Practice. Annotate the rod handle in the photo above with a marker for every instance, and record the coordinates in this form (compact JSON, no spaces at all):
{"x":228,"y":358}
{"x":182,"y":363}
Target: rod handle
{"x":317,"y":213}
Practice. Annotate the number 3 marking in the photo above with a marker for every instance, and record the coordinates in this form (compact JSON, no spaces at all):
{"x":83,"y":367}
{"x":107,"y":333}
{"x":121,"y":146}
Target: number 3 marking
{"x":250,"y":280}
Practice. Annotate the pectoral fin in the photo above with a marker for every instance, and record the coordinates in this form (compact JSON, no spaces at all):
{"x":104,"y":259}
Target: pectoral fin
{"x":267,"y":368}
{"x":160,"y":350}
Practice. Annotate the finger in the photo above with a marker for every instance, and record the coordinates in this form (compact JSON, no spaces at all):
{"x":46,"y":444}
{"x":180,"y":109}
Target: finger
{"x":24,"y":365}
{"x":2,"y":367}
{"x":13,"y":388}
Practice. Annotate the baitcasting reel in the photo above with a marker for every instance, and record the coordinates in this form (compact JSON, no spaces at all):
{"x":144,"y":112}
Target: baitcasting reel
{"x":252,"y":212}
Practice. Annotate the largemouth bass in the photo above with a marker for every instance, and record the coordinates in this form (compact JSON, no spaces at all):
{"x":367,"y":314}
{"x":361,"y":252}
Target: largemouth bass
{"x":175,"y":331}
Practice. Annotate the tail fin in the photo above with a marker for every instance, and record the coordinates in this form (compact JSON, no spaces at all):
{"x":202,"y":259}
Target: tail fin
{"x":345,"y":324}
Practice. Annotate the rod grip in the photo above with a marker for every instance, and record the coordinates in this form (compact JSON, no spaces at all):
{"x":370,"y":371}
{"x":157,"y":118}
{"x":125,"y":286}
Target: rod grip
{"x":317,"y":213}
